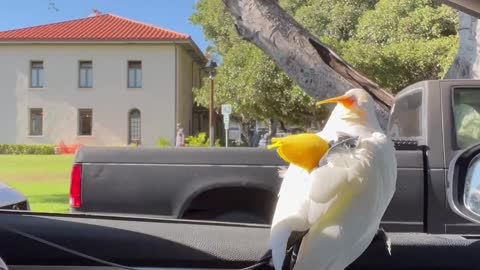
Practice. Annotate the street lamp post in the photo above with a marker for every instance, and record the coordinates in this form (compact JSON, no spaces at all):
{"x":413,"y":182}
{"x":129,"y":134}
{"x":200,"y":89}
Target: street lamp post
{"x":211,"y":65}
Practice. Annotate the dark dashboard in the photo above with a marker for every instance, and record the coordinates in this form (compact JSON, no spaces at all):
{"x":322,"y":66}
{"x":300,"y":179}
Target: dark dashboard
{"x":161,"y":243}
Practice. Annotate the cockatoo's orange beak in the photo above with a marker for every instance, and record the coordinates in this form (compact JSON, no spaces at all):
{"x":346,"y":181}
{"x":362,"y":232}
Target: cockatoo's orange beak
{"x":346,"y":101}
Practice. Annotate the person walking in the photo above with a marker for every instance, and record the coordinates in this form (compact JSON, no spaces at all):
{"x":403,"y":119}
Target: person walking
{"x":180,"y":138}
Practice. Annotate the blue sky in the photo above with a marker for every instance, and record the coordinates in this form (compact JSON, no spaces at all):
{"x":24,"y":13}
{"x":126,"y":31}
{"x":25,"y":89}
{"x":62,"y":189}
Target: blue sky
{"x":171,"y":14}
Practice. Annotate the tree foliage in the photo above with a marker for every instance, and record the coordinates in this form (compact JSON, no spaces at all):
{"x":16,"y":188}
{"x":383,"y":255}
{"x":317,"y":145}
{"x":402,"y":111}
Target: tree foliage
{"x":248,"y":79}
{"x":331,"y":19}
{"x":395,"y":43}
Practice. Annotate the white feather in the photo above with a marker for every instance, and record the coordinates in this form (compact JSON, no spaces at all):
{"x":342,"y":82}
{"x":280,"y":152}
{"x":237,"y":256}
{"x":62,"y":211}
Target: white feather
{"x":341,"y":202}
{"x":282,"y":171}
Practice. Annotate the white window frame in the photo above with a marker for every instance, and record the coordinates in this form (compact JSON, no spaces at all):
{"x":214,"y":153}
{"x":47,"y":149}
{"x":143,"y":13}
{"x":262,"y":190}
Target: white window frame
{"x":86,"y":82}
{"x":30,"y":122}
{"x":134,"y":81}
{"x":131,"y":126}
{"x":39,"y":74}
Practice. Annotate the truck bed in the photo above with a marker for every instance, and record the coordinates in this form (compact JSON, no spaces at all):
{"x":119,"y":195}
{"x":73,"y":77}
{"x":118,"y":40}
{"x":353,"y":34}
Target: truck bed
{"x":168,"y":181}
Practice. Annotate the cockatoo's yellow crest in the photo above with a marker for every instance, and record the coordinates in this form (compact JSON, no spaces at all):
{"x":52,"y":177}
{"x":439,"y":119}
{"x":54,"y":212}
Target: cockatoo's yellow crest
{"x":304,"y":150}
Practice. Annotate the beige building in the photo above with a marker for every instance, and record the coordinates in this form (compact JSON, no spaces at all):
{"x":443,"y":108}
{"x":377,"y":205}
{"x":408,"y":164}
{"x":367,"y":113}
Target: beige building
{"x":101,"y":80}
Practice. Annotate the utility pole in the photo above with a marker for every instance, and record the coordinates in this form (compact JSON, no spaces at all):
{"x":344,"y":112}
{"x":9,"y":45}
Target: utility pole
{"x":211,"y":65}
{"x":211,"y":119}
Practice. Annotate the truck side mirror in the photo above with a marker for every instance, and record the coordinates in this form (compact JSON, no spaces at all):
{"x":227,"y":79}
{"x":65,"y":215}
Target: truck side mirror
{"x":463,"y":185}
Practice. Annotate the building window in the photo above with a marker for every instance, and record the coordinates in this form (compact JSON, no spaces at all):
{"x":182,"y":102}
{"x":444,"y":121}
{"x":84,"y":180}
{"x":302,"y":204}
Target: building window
{"x":86,"y":74}
{"x":134,"y":74}
{"x":85,"y":122}
{"x":36,"y":74}
{"x":134,"y":127}
{"x":36,"y":122}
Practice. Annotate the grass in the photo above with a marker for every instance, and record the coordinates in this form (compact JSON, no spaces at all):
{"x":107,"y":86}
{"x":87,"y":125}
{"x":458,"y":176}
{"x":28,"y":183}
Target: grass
{"x":43,"y":179}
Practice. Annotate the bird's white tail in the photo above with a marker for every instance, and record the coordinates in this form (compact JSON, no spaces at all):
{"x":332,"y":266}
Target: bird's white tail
{"x":278,"y":242}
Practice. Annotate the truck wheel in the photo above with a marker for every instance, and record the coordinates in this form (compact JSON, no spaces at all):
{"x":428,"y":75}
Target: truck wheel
{"x":240,"y":217}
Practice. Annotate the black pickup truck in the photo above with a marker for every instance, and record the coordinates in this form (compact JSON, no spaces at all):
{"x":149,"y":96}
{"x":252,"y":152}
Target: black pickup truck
{"x":430,"y":122}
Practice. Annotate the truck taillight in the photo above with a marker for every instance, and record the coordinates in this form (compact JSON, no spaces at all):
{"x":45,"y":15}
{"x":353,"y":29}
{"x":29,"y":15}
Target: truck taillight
{"x":76,"y":186}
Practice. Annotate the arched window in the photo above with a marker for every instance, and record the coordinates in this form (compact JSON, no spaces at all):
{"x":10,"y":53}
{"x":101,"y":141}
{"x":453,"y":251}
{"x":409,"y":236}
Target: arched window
{"x":134,"y":126}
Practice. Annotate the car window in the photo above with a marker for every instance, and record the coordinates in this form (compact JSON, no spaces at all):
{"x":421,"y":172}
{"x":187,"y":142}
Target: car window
{"x":466,"y":105}
{"x":406,"y":118}
{"x":163,"y":88}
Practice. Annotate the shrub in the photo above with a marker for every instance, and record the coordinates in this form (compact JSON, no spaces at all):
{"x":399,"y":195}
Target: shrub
{"x":27,"y":149}
{"x":199,"y":140}
{"x":162,"y":142}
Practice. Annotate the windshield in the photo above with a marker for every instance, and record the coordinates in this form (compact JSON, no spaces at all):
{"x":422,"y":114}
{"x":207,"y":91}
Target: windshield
{"x":165,"y":109}
{"x":466,"y":105}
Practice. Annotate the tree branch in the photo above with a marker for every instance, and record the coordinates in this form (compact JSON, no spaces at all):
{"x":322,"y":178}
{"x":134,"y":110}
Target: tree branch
{"x":318,"y":70}
{"x":466,"y":64}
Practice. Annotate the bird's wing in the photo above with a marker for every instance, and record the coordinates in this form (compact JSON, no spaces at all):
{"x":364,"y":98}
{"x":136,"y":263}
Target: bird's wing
{"x":296,"y":190}
{"x":344,"y":145}
{"x":345,"y":163}
{"x":349,"y":196}
{"x":335,"y":169}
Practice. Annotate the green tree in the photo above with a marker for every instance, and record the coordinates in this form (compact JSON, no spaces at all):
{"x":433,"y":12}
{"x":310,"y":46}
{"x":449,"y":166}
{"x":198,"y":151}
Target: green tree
{"x":329,"y":19}
{"x":401,"y":42}
{"x":247,"y":79}
{"x":404,"y":20}
{"x":395,"y":43}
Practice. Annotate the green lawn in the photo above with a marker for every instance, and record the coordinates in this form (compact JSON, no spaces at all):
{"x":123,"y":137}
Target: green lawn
{"x":44,"y":179}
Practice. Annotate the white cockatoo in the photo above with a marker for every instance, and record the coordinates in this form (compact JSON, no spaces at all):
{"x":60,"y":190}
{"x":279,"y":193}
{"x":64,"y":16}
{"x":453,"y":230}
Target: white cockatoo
{"x":340,"y":201}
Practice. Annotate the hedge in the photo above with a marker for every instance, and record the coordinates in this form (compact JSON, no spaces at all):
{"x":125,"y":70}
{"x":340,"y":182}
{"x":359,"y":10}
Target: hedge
{"x":27,"y":149}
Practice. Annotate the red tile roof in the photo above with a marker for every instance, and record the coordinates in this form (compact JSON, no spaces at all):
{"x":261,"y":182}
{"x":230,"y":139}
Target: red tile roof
{"x":106,"y":27}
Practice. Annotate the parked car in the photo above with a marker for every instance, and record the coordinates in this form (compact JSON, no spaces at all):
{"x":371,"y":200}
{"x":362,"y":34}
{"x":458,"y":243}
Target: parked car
{"x":241,"y":184}
{"x":12,"y":199}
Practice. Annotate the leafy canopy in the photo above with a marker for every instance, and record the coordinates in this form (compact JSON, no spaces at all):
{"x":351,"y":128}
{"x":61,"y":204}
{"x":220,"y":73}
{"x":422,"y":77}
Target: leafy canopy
{"x":395,"y":43}
{"x":247,"y":78}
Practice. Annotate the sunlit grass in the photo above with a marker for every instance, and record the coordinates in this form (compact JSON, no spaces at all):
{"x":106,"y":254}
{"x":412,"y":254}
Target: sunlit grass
{"x":43,"y":179}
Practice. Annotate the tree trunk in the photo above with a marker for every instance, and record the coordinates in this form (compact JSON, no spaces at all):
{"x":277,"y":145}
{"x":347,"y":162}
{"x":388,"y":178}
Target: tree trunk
{"x":318,"y":70}
{"x":467,"y":62}
{"x":272,"y":128}
{"x":245,"y":131}
{"x":246,"y":137}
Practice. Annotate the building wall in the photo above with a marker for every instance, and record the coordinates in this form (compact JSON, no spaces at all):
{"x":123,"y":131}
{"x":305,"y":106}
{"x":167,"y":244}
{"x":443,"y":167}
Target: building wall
{"x":110,"y":99}
{"x":188,"y":77}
